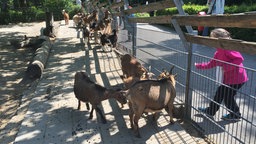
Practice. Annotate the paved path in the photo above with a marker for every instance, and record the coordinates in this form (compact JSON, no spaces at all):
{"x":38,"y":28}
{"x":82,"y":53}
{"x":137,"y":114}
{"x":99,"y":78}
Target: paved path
{"x":52,"y":116}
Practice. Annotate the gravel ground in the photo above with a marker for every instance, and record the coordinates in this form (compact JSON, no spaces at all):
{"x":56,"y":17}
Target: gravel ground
{"x":13,"y":64}
{"x":16,"y":92}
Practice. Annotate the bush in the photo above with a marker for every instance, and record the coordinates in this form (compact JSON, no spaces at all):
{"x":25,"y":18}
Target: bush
{"x":237,"y":33}
{"x":56,"y":7}
{"x":74,"y":10}
{"x":15,"y":16}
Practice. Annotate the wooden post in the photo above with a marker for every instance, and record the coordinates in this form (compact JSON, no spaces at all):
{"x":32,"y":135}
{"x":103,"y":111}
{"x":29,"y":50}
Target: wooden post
{"x":49,"y":24}
{"x":188,"y":93}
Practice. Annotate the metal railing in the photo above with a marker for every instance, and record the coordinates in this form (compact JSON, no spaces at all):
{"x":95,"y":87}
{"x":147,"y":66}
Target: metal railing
{"x":161,"y":53}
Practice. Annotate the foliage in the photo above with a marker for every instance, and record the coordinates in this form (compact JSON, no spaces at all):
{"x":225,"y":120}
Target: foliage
{"x":238,"y":33}
{"x":142,"y":15}
{"x":56,"y":7}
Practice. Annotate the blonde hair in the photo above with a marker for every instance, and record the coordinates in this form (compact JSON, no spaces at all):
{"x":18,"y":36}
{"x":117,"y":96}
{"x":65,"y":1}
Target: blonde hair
{"x":220,"y":33}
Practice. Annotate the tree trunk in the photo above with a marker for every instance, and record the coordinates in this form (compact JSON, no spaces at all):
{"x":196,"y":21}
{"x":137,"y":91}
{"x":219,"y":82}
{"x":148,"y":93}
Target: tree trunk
{"x":35,"y":69}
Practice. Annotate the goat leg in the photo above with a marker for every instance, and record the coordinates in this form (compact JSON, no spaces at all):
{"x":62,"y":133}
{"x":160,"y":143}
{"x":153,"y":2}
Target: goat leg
{"x":137,"y":116}
{"x":91,"y":113}
{"x":101,"y":115}
{"x":131,"y":114}
{"x":87,"y":106}
{"x":136,"y":125}
{"x":156,"y":116}
{"x":79,"y":105}
{"x":170,"y":112}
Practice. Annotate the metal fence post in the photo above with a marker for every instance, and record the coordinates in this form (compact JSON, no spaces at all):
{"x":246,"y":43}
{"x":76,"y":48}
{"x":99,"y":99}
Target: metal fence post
{"x":188,"y":93}
{"x":134,"y":36}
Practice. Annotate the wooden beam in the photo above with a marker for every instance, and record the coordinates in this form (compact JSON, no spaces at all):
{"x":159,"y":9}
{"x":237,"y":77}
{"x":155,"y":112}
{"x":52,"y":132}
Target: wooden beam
{"x":102,"y":4}
{"x":234,"y":20}
{"x":151,"y":6}
{"x":94,"y":2}
{"x":116,"y":5}
{"x":230,"y":44}
{"x":152,"y":20}
{"x":116,"y":14}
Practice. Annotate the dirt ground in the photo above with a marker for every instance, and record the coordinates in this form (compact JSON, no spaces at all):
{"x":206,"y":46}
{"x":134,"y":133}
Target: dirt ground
{"x":15,"y":86}
{"x":13,"y":64}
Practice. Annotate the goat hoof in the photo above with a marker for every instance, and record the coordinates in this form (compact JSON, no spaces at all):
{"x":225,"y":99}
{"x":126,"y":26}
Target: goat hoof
{"x":137,"y":135}
{"x":172,"y":122}
{"x":104,"y":121}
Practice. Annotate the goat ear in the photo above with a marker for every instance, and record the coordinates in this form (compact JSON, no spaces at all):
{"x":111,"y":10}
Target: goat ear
{"x":149,"y":68}
{"x":123,"y":92}
{"x":175,"y":76}
{"x":122,"y":77}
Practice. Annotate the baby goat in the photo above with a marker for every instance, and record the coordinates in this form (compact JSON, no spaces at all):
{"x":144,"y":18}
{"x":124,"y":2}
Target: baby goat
{"x":87,"y":91}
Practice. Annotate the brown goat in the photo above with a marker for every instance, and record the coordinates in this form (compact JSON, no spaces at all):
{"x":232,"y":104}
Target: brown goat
{"x":131,"y":67}
{"x":87,"y":91}
{"x":77,"y":20}
{"x":66,"y":17}
{"x":150,"y":96}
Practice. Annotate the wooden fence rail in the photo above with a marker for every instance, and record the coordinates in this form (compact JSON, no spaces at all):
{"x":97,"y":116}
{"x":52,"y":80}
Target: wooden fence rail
{"x":230,"y":44}
{"x":242,"y":20}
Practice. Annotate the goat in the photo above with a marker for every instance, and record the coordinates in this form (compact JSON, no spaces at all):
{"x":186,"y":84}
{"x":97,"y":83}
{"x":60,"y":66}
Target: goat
{"x":104,"y":41}
{"x":113,"y":38}
{"x":96,"y":31}
{"x":86,"y":33}
{"x":131,"y":67}
{"x":108,"y":39}
{"x":129,"y":81}
{"x":66,"y":17}
{"x":87,"y":91}
{"x":150,"y":96}
{"x":77,"y":20}
{"x":90,"y":18}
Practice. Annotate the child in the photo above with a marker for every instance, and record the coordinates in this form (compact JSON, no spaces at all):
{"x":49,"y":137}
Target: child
{"x":234,"y":77}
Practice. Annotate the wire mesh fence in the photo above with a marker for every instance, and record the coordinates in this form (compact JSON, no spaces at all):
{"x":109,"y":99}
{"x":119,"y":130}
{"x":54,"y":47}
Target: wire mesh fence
{"x":161,"y":48}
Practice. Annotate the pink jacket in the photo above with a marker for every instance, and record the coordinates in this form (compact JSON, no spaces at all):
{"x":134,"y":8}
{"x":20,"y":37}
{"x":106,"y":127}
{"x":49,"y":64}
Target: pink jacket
{"x":232,"y":74}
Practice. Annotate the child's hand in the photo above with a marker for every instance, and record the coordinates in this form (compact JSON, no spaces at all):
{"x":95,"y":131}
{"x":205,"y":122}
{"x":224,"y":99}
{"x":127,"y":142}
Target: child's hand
{"x":197,"y":65}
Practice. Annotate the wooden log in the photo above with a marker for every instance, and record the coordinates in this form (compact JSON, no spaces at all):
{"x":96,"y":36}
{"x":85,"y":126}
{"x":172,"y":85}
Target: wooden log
{"x":35,"y":69}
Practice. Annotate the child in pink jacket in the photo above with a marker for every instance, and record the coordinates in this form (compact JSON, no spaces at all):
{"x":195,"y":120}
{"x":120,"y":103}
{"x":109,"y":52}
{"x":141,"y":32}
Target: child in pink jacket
{"x":234,"y":76}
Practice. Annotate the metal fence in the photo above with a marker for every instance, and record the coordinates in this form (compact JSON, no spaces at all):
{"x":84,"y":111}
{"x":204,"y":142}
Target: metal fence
{"x":161,"y":47}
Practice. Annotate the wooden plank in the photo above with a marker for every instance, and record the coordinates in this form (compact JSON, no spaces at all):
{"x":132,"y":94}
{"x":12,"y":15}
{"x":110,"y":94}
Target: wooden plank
{"x":104,"y":4}
{"x":152,"y":20}
{"x":117,"y":5}
{"x":234,"y":20}
{"x":230,"y":44}
{"x":151,"y":6}
{"x":94,"y":2}
{"x":116,"y":14}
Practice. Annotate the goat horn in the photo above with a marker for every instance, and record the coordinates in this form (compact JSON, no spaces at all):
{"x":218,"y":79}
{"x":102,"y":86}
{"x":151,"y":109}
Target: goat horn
{"x":149,"y":68}
{"x":171,"y":70}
